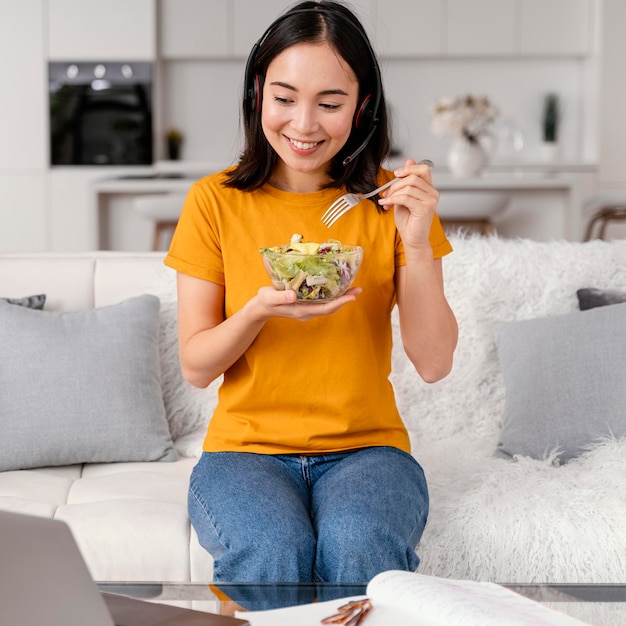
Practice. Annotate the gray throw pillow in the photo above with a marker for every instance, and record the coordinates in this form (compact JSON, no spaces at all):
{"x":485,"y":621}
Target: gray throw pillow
{"x":564,"y":380}
{"x":81,"y":386}
{"x":591,"y":297}
{"x":31,"y":302}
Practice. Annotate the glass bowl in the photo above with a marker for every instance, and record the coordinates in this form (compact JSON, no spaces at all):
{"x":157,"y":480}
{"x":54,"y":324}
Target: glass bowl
{"x":318,"y":277}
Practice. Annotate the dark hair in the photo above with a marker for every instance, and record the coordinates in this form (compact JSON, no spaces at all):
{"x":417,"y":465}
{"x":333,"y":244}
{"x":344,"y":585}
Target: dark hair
{"x":315,"y":22}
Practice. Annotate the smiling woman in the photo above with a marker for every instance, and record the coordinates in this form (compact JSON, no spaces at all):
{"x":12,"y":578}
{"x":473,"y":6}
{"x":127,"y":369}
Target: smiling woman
{"x":306,"y":432}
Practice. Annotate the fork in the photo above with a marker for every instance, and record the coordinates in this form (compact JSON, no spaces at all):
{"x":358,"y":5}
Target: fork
{"x":349,"y":200}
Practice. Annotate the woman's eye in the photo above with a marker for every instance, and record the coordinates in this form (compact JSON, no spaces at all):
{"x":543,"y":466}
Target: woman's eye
{"x":282,"y":100}
{"x":330,"y":107}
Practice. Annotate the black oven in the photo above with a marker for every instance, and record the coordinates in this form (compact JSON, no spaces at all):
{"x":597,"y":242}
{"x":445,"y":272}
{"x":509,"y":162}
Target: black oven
{"x":100,"y":113}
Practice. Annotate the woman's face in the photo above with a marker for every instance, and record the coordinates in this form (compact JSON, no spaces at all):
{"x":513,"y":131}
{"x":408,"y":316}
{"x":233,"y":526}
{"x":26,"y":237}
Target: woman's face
{"x":309,"y":99}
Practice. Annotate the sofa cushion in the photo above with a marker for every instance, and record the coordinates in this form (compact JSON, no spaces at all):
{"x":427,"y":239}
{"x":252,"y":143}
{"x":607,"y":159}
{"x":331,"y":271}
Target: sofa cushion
{"x":591,"y":297}
{"x":82,"y":386}
{"x":32,"y":302}
{"x":188,"y":408}
{"x":564,"y":382}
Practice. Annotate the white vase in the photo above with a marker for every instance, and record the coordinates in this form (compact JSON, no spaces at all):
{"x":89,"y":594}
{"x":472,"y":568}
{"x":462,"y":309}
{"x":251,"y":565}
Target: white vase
{"x":549,"y":151}
{"x":466,"y":159}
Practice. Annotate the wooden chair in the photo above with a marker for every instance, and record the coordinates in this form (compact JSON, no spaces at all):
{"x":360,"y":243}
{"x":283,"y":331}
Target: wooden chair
{"x":471,"y":210}
{"x":605,"y":207}
{"x":484,"y":226}
{"x":164,"y":211}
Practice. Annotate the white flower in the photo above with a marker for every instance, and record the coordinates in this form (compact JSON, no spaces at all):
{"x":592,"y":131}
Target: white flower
{"x":466,"y":116}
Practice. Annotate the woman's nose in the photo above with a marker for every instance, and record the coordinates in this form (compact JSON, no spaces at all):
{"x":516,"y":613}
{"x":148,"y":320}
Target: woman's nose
{"x":305,"y":119}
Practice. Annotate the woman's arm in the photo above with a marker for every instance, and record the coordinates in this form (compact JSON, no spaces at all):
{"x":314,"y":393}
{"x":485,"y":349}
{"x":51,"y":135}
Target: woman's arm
{"x":209,"y":343}
{"x":427,"y":324}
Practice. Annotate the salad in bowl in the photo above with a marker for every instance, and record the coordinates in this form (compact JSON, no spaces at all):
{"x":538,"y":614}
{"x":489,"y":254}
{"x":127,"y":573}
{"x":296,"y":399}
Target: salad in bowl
{"x":317,"y":272}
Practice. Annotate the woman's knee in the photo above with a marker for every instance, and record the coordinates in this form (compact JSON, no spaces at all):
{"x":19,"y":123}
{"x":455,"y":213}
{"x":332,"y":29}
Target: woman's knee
{"x":358,"y":548}
{"x":248,"y":551}
{"x":377,"y":526}
{"x":251,"y":518}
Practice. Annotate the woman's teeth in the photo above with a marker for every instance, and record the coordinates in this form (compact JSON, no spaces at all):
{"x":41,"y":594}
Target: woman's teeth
{"x":302,"y":145}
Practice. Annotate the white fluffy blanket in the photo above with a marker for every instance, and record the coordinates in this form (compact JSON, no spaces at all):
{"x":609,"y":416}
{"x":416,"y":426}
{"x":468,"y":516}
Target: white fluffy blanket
{"x":494,"y":519}
{"x":491,"y":519}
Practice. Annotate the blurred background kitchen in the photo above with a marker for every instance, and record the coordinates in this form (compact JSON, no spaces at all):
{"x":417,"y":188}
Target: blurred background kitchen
{"x":108,"y":105}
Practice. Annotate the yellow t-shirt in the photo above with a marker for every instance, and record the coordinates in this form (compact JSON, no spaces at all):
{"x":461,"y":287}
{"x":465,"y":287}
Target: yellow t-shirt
{"x":301,"y":387}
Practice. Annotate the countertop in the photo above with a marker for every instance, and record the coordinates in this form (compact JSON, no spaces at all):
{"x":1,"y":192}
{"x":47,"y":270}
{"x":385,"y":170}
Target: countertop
{"x":166,"y":182}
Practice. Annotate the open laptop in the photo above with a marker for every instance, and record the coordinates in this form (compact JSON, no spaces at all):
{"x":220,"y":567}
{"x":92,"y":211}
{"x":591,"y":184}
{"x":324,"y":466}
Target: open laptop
{"x":44,"y":581}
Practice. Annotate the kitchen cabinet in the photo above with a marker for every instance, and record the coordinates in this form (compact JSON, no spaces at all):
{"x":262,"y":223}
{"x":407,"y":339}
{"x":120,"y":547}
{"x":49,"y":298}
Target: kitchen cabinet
{"x":23,"y":212}
{"x":481,"y":27}
{"x":195,"y":28}
{"x":398,"y":28}
{"x":24,"y":101}
{"x":93,"y":30}
{"x":250,"y":20}
{"x":73,"y":218}
{"x":486,"y":28}
{"x":23,"y":127}
{"x":612,"y":100}
{"x":406,"y":29}
{"x":555,"y":27}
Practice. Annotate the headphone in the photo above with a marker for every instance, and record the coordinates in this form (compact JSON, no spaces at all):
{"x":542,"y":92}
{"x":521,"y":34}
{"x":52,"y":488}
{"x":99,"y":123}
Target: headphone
{"x":365,"y":118}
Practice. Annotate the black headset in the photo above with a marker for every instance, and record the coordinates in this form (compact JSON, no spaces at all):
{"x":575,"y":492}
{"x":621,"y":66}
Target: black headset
{"x":366,"y":116}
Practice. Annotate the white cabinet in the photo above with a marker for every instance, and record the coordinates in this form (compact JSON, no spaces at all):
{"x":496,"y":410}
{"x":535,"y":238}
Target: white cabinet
{"x":251,"y":18}
{"x":73,"y":216}
{"x":195,"y":28}
{"x":408,"y":29}
{"x":23,"y":127}
{"x":23,"y":105}
{"x":556,"y":27}
{"x":23,"y":213}
{"x":397,"y":28}
{"x":481,"y":27}
{"x":94,"y":30}
{"x":485,"y":28}
{"x":612,"y":97}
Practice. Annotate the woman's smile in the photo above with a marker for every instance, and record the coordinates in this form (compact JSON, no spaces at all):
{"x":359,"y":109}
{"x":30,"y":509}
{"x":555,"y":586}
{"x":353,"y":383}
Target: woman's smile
{"x":304,"y":146}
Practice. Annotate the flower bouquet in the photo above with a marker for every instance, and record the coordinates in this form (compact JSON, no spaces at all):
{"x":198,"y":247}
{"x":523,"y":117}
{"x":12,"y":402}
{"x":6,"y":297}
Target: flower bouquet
{"x":467,"y":116}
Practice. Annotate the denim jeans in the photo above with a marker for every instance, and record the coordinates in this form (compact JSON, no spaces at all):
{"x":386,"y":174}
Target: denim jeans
{"x":340,"y":517}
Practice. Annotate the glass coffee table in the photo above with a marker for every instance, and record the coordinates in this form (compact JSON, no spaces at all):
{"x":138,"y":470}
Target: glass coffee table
{"x":597,"y":604}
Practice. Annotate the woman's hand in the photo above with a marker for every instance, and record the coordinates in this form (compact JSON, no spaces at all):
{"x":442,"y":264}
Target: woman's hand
{"x":273,"y":303}
{"x":414,"y":200}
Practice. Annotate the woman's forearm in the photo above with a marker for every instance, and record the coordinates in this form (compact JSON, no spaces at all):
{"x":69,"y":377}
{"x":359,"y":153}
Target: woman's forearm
{"x":428,"y":326}
{"x":207,"y":354}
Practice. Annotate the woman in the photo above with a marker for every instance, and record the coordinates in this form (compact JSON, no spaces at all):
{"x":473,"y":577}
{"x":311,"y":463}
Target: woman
{"x":306,"y":473}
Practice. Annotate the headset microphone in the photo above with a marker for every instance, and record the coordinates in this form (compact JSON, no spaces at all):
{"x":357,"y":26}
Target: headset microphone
{"x":360,"y":149}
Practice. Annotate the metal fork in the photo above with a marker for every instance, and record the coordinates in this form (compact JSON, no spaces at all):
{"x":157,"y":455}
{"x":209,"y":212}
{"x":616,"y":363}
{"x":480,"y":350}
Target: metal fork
{"x":349,"y":200}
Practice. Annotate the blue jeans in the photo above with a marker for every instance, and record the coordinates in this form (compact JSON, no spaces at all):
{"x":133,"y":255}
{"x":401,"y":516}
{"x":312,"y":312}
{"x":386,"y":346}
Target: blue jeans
{"x":341,"y":517}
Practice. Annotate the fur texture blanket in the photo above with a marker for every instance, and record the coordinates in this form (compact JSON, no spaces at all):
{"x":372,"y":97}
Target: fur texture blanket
{"x":522,"y":520}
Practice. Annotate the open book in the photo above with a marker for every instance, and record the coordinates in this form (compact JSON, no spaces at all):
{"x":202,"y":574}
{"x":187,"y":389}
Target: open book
{"x":409,"y":599}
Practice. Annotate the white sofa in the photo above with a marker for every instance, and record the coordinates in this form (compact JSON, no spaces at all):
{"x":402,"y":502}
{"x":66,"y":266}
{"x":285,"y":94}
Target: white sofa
{"x":505,"y":520}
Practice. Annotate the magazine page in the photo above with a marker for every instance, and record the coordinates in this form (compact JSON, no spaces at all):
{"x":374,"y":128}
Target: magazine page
{"x":448,"y":602}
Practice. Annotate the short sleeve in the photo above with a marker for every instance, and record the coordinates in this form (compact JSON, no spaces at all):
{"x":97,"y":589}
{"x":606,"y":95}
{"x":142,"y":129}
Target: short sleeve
{"x":195,"y":249}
